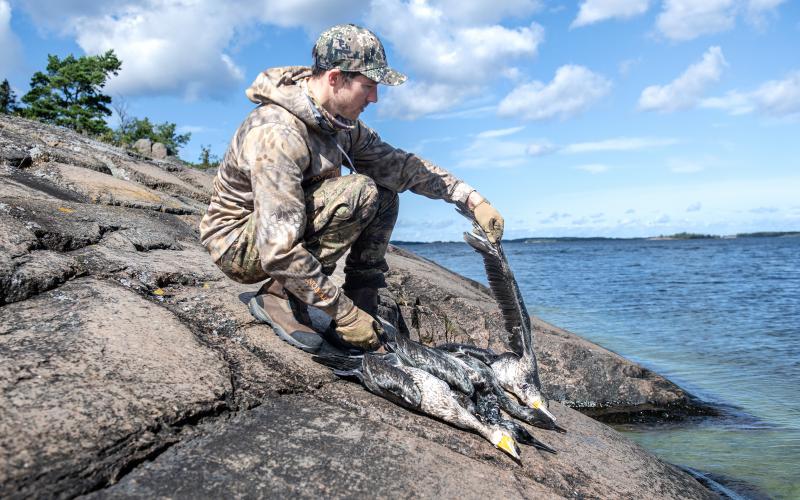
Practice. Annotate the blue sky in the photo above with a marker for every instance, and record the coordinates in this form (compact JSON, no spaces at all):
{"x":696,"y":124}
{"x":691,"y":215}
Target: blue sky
{"x":589,"y":118}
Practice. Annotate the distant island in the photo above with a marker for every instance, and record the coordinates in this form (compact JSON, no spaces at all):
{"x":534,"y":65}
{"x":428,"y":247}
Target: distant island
{"x":676,"y":236}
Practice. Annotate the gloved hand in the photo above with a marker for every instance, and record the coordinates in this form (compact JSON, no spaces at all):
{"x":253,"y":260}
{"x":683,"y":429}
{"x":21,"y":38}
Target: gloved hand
{"x":359,"y":328}
{"x":490,"y":220}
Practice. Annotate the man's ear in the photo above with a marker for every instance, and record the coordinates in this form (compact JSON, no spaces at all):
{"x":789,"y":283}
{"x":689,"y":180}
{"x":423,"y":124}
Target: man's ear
{"x":334,"y":76}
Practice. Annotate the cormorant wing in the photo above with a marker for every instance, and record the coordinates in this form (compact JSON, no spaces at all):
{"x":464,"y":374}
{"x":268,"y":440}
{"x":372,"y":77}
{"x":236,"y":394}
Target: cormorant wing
{"x":438,"y":363}
{"x":486,"y":356}
{"x":504,"y":288}
{"x":390,"y":382}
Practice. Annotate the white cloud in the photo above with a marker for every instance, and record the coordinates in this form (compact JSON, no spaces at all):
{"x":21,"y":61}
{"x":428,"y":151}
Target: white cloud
{"x":555,"y":217}
{"x":443,"y":51}
{"x":451,"y":56}
{"x":593,"y":168}
{"x":540,"y":149}
{"x":687,"y":19}
{"x":312,"y":15}
{"x":59,"y":15}
{"x":169,"y":47}
{"x":488,"y":134}
{"x":593,"y":11}
{"x":735,"y":103}
{"x":573,"y":89}
{"x":486,"y":11}
{"x":685,"y":91}
{"x":488,"y":150}
{"x":494,"y":153}
{"x":664,"y":219}
{"x":417,"y":98}
{"x":11,"y":52}
{"x":467,"y":112}
{"x":616,"y":144}
{"x":694,"y":207}
{"x":619,"y":144}
{"x":757,"y":11}
{"x":780,"y":98}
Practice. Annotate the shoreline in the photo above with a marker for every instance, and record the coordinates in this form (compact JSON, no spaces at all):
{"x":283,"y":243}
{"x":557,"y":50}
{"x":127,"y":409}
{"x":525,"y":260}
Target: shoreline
{"x":679,"y":237}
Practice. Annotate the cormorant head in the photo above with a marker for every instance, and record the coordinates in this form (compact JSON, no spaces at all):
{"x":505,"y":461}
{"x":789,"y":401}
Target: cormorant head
{"x":503,"y":440}
{"x":532,"y":397}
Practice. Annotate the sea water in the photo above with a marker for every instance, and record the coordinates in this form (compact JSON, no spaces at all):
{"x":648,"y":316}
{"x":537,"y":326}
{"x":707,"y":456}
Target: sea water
{"x":719,"y":317}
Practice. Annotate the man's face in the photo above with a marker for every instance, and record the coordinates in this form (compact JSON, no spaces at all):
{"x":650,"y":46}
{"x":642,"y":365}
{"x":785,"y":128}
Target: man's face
{"x":352,"y":96}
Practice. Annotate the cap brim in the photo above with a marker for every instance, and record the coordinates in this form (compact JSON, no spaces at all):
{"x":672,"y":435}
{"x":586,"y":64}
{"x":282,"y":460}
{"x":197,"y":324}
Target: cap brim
{"x":385,"y":75}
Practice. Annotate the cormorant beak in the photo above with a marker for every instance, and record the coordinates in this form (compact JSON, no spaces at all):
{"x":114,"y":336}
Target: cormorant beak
{"x":538,"y":405}
{"x":508,"y":445}
{"x":541,"y":446}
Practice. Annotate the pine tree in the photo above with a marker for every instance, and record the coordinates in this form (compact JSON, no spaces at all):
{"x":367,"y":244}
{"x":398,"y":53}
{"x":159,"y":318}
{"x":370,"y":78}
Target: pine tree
{"x":69,"y":93}
{"x":8,"y":100}
{"x":207,"y":159}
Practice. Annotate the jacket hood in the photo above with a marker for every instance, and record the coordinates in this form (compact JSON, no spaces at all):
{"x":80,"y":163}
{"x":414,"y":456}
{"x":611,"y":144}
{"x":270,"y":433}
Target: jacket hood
{"x":286,"y":87}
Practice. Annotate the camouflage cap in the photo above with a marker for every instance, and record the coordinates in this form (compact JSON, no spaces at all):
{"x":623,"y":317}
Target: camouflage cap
{"x":352,"y":48}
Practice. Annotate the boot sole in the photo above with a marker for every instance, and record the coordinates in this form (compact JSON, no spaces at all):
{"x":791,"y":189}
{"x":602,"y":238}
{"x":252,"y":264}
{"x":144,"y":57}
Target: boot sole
{"x":259,"y":314}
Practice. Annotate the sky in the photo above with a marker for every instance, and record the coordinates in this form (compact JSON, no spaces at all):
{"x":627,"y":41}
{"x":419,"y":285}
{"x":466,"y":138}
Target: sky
{"x":620,"y":118}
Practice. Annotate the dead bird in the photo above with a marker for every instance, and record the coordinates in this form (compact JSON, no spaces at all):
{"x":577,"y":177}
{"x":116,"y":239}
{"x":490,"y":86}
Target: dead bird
{"x":517,"y":370}
{"x":438,"y":363}
{"x":487,"y":409}
{"x":485,"y":381}
{"x":387,"y":376}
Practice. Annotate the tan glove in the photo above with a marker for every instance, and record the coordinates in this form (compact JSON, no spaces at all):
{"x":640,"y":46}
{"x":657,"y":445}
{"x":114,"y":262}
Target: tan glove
{"x":359,"y":328}
{"x":490,"y":220}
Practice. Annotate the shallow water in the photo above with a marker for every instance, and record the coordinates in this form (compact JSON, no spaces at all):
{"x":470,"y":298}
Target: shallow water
{"x":721,"y":318}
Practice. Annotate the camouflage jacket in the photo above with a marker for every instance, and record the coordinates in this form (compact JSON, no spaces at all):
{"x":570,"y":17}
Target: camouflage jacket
{"x":284,"y":145}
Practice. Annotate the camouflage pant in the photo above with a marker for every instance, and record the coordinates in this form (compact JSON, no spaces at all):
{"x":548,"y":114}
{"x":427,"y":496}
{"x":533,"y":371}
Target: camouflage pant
{"x":342,"y":213}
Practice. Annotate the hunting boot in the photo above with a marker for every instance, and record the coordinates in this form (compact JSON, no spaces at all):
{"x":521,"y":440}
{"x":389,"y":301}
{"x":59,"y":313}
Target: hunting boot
{"x":287,"y":316}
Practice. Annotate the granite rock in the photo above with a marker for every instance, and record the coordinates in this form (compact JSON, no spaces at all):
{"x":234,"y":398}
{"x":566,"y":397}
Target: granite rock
{"x":130,"y":366}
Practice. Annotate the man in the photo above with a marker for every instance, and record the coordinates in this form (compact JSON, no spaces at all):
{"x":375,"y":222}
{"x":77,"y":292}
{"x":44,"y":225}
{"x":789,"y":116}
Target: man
{"x":282,"y":211}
